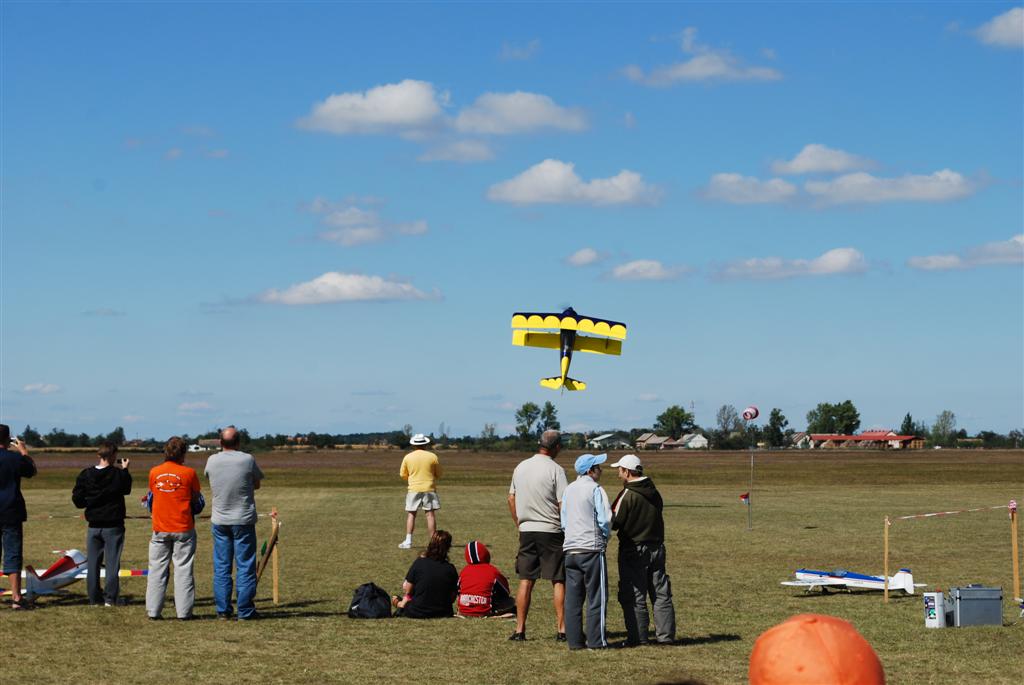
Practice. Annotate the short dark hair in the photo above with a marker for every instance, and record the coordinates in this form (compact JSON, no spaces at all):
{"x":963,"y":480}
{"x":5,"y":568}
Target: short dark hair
{"x":5,"y":434}
{"x":638,"y":471}
{"x":107,"y":450}
{"x":175,"y":450}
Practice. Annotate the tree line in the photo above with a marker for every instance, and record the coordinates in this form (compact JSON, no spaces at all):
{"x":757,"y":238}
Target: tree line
{"x":729,"y":432}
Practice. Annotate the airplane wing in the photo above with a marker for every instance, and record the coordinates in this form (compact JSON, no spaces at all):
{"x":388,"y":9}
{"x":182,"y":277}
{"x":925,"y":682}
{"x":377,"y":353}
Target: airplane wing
{"x":814,"y":583}
{"x":527,"y":339}
{"x":597,"y":345}
{"x":582,"y":324}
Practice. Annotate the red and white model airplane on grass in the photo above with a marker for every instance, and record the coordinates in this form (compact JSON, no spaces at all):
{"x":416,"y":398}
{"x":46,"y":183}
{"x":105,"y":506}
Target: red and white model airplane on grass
{"x":69,"y":568}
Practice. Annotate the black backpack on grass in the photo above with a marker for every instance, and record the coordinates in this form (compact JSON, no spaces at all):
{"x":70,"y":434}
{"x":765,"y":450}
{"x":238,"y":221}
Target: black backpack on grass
{"x":369,"y":601}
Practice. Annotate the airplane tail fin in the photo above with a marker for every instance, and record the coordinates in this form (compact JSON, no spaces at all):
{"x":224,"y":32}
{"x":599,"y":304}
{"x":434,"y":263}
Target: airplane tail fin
{"x":903,"y":580}
{"x":555,"y":382}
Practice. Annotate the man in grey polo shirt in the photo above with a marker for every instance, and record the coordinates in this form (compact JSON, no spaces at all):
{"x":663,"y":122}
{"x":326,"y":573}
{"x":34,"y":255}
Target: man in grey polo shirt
{"x":534,"y":499}
{"x":234,"y":478}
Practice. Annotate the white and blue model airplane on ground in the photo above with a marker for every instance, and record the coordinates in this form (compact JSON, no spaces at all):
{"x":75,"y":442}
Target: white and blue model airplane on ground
{"x":848,"y":580}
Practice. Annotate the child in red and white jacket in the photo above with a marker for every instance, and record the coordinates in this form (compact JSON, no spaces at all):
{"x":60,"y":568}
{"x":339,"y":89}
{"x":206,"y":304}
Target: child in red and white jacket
{"x":483,"y":591}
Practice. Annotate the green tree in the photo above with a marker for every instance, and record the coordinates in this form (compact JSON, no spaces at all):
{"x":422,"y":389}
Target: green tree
{"x":908,"y":426}
{"x":775,"y":433}
{"x":842,"y":418}
{"x":489,"y":434}
{"x":116,"y":436}
{"x":548,"y":419}
{"x":728,"y":420}
{"x":526,"y":416}
{"x":674,"y":421}
{"x":944,"y":427}
{"x":32,"y":437}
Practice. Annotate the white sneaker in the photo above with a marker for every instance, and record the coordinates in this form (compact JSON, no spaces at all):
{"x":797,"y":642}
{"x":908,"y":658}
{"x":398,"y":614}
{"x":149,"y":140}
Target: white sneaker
{"x":405,"y":544}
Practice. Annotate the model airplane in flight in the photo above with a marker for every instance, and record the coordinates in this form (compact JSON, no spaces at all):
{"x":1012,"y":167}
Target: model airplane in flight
{"x":69,"y":568}
{"x":567,"y":340}
{"x":847,"y":580}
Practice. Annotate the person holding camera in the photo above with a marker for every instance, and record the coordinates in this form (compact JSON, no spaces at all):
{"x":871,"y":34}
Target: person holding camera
{"x":100,"y":490}
{"x":13,"y":467}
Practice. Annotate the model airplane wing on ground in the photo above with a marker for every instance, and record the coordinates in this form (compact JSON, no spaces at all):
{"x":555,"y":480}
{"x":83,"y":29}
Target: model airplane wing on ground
{"x":841,"y":578}
{"x":529,"y":330}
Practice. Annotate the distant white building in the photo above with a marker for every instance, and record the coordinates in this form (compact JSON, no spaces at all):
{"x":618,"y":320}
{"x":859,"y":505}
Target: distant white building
{"x":694,"y":441}
{"x":609,"y":441}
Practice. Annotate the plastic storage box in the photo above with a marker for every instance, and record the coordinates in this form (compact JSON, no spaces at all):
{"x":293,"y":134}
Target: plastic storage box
{"x":976,"y":605}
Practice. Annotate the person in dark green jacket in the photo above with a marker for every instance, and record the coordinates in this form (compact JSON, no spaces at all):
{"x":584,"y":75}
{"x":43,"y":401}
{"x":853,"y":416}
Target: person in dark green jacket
{"x":637,"y":516}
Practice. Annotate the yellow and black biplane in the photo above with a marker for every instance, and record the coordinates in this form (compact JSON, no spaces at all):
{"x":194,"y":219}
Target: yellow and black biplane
{"x":569,"y":325}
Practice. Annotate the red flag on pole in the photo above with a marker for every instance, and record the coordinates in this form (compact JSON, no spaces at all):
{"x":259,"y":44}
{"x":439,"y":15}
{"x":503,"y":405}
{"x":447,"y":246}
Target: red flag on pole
{"x":745,"y":498}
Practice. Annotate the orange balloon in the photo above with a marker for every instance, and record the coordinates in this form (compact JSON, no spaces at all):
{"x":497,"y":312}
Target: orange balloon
{"x":813,"y":649}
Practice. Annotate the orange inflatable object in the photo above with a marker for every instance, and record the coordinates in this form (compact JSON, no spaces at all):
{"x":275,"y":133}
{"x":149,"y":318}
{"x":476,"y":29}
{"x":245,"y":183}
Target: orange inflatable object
{"x":812,"y":649}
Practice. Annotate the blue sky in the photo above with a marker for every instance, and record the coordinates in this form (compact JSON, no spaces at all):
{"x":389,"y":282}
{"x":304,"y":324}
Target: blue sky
{"x":321,"y":216}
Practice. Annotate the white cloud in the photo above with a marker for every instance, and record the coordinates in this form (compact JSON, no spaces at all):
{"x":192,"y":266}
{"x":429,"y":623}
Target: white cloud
{"x":219,"y":153}
{"x":407,"y":107}
{"x":842,"y":260}
{"x":173,"y":153}
{"x":645,"y":270}
{"x":193,"y":408}
{"x":518,"y":112}
{"x":815,"y":158}
{"x":990,"y":254}
{"x":648,"y":397}
{"x":513,"y":52}
{"x":555,"y":182}
{"x":350,"y":226}
{"x":132,"y":418}
{"x":1005,"y":30}
{"x":706,"y":64}
{"x":459,"y":151}
{"x":343,"y":287}
{"x":861,"y":187}
{"x":40,"y":389}
{"x":629,"y":120}
{"x":746,"y":190}
{"x":584,"y":257}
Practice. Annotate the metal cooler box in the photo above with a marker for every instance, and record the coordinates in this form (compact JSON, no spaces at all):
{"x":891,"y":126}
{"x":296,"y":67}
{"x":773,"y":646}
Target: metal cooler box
{"x":975,"y":605}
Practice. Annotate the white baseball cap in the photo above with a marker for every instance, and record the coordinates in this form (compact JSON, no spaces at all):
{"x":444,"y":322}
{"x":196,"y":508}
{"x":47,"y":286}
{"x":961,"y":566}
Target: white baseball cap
{"x":629,"y":461}
{"x":419,"y":439}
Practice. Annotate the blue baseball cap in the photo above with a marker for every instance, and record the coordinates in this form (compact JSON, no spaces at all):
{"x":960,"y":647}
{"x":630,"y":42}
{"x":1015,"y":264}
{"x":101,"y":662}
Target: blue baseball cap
{"x":585,"y":462}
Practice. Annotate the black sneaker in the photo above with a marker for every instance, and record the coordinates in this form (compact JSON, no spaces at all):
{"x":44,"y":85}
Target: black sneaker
{"x":223,"y":616}
{"x":156,"y":618}
{"x":518,"y":637}
{"x":560,"y":637}
{"x":254,"y":616}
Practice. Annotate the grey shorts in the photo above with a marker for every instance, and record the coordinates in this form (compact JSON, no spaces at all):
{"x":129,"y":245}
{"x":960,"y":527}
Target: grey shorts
{"x":428,"y":501}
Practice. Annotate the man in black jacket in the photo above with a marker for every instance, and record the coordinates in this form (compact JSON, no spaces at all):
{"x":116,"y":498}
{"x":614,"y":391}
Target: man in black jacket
{"x":100,"y":490}
{"x":637,"y":515}
{"x":13,"y":467}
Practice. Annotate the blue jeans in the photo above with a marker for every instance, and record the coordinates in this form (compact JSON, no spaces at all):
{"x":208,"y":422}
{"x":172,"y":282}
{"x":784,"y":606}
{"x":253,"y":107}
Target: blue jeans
{"x":10,"y":547}
{"x":238,"y":543}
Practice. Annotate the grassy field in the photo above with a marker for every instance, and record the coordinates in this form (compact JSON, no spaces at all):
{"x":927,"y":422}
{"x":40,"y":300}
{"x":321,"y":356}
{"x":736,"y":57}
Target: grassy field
{"x":342,"y":519}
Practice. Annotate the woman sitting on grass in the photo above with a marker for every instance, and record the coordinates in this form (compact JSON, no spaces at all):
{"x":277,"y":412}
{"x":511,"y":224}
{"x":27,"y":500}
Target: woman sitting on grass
{"x":431,"y":583}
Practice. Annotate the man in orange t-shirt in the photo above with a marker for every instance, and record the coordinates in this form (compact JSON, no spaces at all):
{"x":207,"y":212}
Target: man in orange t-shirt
{"x":175,"y":492}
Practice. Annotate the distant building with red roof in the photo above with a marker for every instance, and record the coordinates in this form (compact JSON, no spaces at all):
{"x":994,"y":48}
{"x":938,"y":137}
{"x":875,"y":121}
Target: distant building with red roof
{"x":870,"y":439}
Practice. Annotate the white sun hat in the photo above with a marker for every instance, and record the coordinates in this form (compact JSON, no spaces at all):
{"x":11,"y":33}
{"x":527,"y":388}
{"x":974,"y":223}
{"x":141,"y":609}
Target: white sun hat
{"x":629,"y":461}
{"x":419,"y":439}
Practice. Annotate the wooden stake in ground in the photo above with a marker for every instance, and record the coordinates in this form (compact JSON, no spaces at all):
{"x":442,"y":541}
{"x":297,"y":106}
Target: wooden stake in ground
{"x":275,"y":527}
{"x":885,"y":561}
{"x":1016,"y":551}
{"x":274,"y":560}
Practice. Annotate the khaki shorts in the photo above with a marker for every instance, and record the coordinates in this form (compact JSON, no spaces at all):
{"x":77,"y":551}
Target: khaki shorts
{"x":428,"y":501}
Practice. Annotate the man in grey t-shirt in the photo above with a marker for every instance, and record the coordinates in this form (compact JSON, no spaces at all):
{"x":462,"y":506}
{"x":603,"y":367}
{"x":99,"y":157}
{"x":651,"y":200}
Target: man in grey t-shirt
{"x":534,"y":499}
{"x":234,"y":478}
